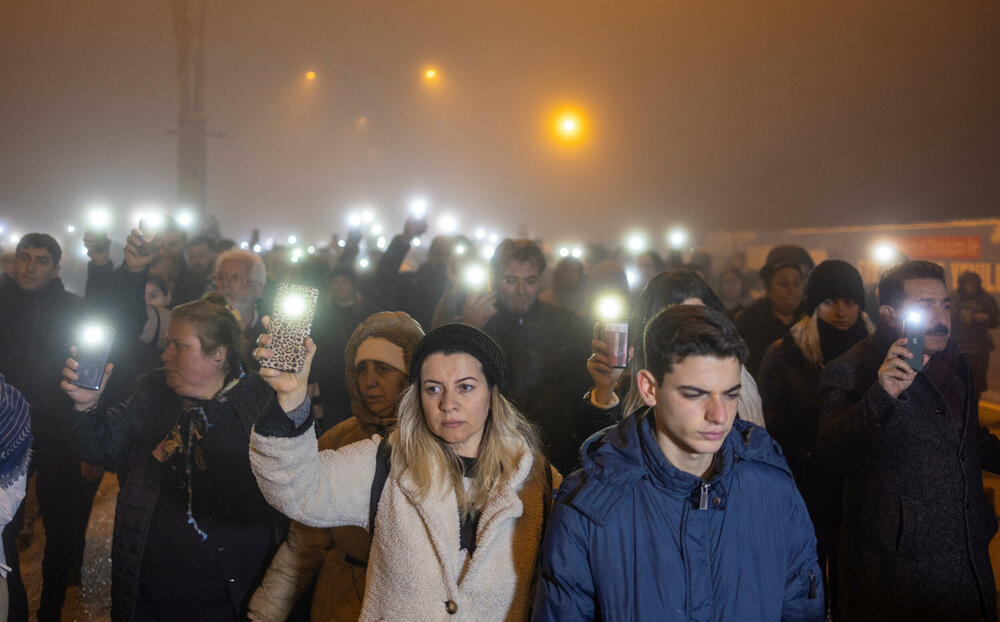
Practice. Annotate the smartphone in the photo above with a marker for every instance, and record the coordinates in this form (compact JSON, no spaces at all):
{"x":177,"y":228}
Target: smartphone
{"x":146,"y":245}
{"x":914,"y":329}
{"x":92,"y":353}
{"x":291,"y":323}
{"x":615,"y":335}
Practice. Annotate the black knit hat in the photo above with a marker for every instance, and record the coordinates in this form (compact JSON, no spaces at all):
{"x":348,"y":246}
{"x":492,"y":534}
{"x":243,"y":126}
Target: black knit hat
{"x":452,"y":338}
{"x":786,"y":256}
{"x":831,"y":279}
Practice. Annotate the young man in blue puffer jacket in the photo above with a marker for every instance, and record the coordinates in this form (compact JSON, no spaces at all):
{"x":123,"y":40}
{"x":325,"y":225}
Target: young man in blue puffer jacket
{"x":678,"y":513}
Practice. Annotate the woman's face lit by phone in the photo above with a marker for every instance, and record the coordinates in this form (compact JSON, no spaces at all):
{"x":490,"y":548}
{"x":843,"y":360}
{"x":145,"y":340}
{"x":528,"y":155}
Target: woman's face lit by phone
{"x":191,"y":372}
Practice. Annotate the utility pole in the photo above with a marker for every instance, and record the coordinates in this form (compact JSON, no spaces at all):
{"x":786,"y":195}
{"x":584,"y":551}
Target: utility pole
{"x":189,"y":34}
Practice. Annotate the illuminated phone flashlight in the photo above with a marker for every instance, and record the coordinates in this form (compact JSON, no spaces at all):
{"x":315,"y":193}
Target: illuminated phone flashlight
{"x":564,"y":252}
{"x":610,"y":307}
{"x":480,"y":234}
{"x":577,"y":252}
{"x":185,"y":218}
{"x":418,"y":208}
{"x":914,"y":318}
{"x":677,"y":238}
{"x":377,"y":229}
{"x":152,"y":222}
{"x":460,"y":249}
{"x":363,"y":264}
{"x":475,"y":276}
{"x":98,"y":219}
{"x":636,"y":243}
{"x":354,"y":220}
{"x":294,"y":306}
{"x":885,"y":253}
{"x":612,"y":328}
{"x":93,"y":335}
{"x":448,"y":223}
{"x":292,"y":239}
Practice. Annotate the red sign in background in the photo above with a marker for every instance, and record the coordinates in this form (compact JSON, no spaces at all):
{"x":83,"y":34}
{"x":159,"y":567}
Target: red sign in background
{"x":942,"y":247}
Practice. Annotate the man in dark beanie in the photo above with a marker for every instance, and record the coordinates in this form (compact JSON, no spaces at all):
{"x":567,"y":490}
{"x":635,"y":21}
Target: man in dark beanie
{"x":788,"y":381}
{"x":916,"y":524}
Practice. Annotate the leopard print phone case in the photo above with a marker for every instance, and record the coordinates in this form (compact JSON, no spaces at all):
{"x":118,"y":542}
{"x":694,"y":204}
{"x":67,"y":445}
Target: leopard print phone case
{"x":291,"y":323}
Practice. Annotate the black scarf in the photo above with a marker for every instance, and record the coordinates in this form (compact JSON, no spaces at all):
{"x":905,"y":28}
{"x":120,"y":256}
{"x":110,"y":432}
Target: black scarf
{"x":470,"y":523}
{"x":834,"y":342}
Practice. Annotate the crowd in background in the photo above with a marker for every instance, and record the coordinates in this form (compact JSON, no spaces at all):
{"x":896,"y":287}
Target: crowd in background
{"x":175,"y":431}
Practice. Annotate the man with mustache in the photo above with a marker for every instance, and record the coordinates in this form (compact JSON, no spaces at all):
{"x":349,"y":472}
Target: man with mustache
{"x":916,"y":524}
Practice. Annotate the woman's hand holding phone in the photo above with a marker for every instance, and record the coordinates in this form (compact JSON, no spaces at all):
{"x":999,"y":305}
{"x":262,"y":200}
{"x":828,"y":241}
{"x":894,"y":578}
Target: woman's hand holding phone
{"x":83,"y":399}
{"x":291,"y":387}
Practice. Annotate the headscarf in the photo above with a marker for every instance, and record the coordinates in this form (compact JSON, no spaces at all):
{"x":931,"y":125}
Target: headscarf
{"x":398,"y":329}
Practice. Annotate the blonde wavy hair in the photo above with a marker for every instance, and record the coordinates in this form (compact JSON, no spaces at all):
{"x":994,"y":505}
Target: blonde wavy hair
{"x":431,"y":463}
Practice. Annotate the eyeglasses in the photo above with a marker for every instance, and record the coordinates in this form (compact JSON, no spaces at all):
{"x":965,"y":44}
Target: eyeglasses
{"x":229,"y":279}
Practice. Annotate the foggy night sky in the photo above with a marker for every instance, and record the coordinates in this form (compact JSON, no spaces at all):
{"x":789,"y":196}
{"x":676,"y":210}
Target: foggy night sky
{"x":714,"y":115}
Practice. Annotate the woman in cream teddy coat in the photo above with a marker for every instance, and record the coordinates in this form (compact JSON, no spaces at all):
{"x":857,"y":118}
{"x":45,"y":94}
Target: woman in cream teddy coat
{"x":461,"y":515}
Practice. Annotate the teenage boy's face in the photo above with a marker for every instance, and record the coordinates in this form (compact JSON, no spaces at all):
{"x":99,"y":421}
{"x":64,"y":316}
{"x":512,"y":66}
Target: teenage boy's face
{"x":694,"y":406}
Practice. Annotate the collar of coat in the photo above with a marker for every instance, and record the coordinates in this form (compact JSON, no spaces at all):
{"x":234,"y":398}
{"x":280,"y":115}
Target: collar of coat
{"x":627,"y":453}
{"x":440,"y":518}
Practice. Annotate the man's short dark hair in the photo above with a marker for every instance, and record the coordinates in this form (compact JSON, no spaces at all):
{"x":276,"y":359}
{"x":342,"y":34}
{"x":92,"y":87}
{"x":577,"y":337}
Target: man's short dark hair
{"x":41,"y":240}
{"x":890,"y":286}
{"x":680,"y":331}
{"x":203,"y":240}
{"x":517,"y":250}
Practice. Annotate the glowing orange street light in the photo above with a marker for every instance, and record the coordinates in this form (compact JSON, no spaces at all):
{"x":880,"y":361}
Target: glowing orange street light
{"x":431,"y":73}
{"x":568,"y":125}
{"x":310,"y":75}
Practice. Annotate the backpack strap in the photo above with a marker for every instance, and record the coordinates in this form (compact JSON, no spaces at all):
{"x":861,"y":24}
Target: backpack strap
{"x":383,"y":462}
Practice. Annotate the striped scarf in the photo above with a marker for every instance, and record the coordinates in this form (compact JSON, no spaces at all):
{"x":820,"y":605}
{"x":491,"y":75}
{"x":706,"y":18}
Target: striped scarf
{"x":15,"y":435}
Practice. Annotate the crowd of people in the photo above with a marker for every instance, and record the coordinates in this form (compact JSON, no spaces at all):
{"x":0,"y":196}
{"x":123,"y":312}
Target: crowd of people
{"x":465,"y":442}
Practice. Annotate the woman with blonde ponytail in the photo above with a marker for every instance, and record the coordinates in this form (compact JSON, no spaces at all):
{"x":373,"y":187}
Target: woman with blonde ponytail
{"x":460,"y":512}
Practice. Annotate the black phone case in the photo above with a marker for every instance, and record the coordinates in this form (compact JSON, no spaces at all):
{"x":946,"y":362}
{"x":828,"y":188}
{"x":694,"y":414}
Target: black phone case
{"x":91,"y":365}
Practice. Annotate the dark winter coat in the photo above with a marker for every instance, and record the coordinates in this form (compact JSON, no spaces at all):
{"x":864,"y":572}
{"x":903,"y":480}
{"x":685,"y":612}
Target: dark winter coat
{"x":760,"y":328}
{"x":627,"y":541}
{"x":916,"y":524}
{"x":36,"y":331}
{"x":417,"y":293}
{"x":547,"y":350}
{"x":124,"y":437}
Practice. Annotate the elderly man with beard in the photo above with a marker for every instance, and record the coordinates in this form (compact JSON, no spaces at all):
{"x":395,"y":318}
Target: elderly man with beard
{"x":916,"y":525}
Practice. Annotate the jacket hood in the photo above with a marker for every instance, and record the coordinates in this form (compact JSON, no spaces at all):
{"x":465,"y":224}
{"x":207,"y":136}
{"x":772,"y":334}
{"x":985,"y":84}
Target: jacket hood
{"x":394,"y":326}
{"x":628,"y":452}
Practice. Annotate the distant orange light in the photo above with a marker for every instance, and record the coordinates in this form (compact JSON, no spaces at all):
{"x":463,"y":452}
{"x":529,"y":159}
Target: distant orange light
{"x":310,"y":75}
{"x":568,"y":125}
{"x":431,"y":73}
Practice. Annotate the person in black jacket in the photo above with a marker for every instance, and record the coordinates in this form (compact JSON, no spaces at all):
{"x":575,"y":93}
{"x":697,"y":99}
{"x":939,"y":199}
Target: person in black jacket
{"x":973,"y":313}
{"x":768,"y":319}
{"x":547,"y":346}
{"x":416,"y":293}
{"x":37,"y":320}
{"x":192,"y":534}
{"x":789,"y":390}
{"x":916,"y":525}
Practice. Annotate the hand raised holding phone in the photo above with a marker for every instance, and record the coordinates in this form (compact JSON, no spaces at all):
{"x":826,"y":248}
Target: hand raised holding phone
{"x":291,"y":386}
{"x":138,"y":252}
{"x":83,"y":398}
